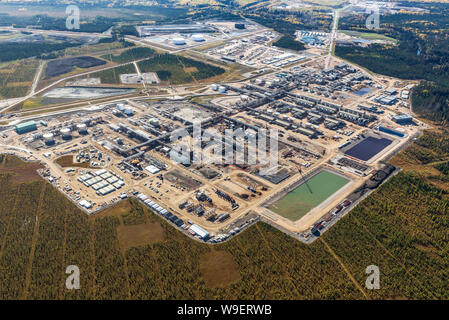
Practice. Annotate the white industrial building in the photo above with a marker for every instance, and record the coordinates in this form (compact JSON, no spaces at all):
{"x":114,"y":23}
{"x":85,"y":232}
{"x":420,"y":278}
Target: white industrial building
{"x":152,"y":169}
{"x":86,"y":204}
{"x":196,"y":229}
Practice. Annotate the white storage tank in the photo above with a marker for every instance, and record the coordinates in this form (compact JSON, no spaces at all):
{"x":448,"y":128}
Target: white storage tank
{"x":128,"y":111}
{"x":222,"y":89}
{"x":198,"y":38}
{"x":214,"y":87}
{"x":120,"y":107}
{"x":82,"y":128}
{"x":49,"y":138}
{"x":66,"y":134}
{"x":179,"y":41}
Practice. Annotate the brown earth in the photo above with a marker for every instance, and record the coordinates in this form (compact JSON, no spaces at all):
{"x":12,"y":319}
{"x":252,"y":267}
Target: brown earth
{"x":218,"y":268}
{"x":117,"y":210}
{"x":67,"y":161}
{"x":190,"y":69}
{"x":21,"y":171}
{"x":139,"y":235}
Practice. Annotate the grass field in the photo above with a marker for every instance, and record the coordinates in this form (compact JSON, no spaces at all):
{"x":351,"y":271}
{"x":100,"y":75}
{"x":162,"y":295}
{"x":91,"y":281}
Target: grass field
{"x":369,"y":36}
{"x":130,"y":55}
{"x":178,"y":69}
{"x":16,"y":78}
{"x":170,"y":68}
{"x":128,"y":252}
{"x":112,"y":76}
{"x":308,"y":195}
{"x":93,"y":49}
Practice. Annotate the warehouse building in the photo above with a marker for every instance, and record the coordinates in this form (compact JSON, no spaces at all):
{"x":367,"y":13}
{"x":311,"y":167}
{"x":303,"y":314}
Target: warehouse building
{"x":386,"y":100}
{"x":106,"y":190}
{"x":283,"y":124}
{"x":86,"y":204}
{"x":299,"y":114}
{"x":118,"y":184}
{"x":326,"y":109}
{"x":26,"y":127}
{"x":196,"y":229}
{"x":392,"y":131}
{"x":403,"y":119}
{"x":307,"y":132}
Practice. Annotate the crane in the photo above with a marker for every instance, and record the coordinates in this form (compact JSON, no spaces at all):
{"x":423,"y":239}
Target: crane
{"x":302,"y":176}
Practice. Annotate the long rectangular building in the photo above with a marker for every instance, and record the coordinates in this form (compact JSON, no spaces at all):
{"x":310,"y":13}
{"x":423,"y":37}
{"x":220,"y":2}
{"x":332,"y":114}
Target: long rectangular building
{"x":26,"y":127}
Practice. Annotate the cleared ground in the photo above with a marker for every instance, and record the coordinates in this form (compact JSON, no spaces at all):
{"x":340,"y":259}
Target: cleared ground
{"x":67,"y":161}
{"x":219,"y":268}
{"x":20,"y":172}
{"x":139,"y":235}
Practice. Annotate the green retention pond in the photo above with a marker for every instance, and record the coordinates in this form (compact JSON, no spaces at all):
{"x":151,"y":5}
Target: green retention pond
{"x":308,"y":195}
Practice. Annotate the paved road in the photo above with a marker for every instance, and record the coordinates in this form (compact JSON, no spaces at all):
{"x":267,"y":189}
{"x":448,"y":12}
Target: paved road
{"x":333,"y":35}
{"x":37,"y":77}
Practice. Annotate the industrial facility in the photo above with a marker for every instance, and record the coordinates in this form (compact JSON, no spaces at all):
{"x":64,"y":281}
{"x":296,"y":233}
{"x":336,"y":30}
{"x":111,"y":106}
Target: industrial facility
{"x":326,"y":128}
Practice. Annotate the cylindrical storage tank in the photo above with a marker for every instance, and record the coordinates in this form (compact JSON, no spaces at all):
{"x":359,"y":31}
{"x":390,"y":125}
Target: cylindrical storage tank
{"x":198,"y":38}
{"x":66,"y":134}
{"x":222,"y":89}
{"x":49,"y":138}
{"x":128,"y":111}
{"x":214,"y":87}
{"x":82,"y":128}
{"x":120,"y":107}
{"x":179,"y":41}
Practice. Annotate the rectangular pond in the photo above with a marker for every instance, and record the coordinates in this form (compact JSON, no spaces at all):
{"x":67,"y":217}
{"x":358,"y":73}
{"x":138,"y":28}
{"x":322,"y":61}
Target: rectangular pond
{"x":308,"y":195}
{"x":363,"y":91}
{"x":368,"y":148}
